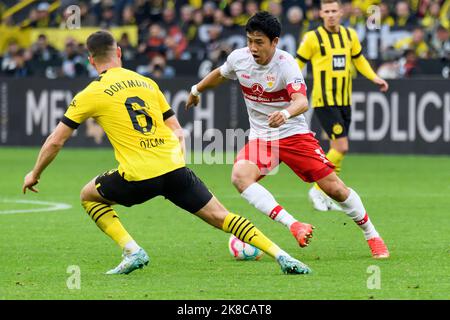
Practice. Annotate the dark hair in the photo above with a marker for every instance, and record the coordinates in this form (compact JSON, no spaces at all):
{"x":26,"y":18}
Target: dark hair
{"x":331,"y":1}
{"x":100,"y":44}
{"x":265,"y":23}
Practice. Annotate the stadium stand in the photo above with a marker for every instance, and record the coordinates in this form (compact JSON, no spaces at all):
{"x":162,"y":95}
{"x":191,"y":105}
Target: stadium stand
{"x":412,"y":38}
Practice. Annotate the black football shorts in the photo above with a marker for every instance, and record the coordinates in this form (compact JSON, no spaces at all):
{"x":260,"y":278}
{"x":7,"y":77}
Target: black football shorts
{"x":181,"y":186}
{"x":335,"y":120}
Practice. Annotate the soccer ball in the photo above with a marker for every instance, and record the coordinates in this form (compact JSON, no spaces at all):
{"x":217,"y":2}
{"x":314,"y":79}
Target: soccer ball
{"x":243,"y":251}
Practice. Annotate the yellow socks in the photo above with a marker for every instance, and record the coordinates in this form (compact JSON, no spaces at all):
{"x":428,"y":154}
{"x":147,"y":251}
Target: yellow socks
{"x":107,"y":220}
{"x":247,"y":232}
{"x":336,"y":158}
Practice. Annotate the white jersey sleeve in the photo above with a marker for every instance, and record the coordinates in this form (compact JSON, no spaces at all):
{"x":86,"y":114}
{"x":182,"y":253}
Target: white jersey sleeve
{"x":293,"y":78}
{"x":227,"y":69}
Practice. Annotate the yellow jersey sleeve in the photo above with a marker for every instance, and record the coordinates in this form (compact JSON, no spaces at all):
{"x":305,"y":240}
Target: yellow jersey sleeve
{"x":356,"y":50}
{"x":306,"y":49}
{"x":81,"y":108}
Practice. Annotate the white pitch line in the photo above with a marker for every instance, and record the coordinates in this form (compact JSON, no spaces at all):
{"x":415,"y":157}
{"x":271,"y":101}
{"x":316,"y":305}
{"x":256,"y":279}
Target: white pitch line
{"x":52,"y":206}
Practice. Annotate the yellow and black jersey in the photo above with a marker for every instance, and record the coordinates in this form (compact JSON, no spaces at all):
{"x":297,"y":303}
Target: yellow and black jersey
{"x":131,"y":110}
{"x":331,"y":55}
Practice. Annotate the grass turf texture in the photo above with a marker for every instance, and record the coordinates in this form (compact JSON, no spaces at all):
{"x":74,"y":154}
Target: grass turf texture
{"x":406,"y":197}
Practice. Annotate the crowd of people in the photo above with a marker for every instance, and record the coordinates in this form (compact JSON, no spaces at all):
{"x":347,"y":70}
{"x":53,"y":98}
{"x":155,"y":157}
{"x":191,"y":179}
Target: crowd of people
{"x":199,"y":30}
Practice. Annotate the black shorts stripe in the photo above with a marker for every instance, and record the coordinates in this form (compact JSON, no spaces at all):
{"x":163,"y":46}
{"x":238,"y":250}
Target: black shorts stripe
{"x":324,"y":87}
{"x":70,"y":123}
{"x":299,"y":57}
{"x":321,"y":44}
{"x":243,"y":228}
{"x":357,"y":55}
{"x":243,"y":237}
{"x":168,"y":114}
{"x":334,"y":90}
{"x":101,"y":215}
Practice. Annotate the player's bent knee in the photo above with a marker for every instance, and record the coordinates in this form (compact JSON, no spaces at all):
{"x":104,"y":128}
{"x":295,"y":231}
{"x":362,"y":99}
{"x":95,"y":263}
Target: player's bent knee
{"x":243,"y":175}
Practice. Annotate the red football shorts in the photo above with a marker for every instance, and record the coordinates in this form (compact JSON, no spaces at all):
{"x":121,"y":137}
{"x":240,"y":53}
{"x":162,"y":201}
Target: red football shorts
{"x":301,"y":152}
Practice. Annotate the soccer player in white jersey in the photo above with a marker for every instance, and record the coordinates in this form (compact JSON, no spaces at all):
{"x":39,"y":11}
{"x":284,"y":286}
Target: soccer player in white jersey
{"x":275,"y":96}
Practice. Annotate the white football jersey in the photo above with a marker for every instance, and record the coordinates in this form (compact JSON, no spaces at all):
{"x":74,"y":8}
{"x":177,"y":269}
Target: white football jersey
{"x":266,"y":89}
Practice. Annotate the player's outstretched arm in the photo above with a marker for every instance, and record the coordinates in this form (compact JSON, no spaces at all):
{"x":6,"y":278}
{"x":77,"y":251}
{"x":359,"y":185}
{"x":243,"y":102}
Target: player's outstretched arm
{"x":212,"y":80}
{"x":366,"y":70}
{"x":55,"y":141}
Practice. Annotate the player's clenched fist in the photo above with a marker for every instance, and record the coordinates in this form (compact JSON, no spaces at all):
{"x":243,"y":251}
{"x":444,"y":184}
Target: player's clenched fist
{"x":29,"y":182}
{"x":192,"y":101}
{"x":276,"y":119}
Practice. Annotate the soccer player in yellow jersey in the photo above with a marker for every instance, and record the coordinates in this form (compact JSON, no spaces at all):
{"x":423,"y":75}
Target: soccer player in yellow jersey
{"x":149,"y":146}
{"x":331,"y":48}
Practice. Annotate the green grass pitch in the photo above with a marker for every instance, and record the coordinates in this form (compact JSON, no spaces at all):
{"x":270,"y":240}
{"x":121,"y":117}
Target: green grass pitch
{"x":407,"y":198}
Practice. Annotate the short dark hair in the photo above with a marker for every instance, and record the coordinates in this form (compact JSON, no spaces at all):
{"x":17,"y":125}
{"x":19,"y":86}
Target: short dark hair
{"x":100,"y":44}
{"x":331,"y":1}
{"x":265,"y":23}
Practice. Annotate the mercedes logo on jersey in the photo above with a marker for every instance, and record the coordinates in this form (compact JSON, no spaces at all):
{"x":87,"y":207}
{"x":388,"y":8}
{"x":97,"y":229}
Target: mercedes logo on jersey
{"x":257,"y":89}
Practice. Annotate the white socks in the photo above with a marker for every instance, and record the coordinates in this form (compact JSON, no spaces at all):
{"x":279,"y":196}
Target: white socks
{"x":354,"y":208}
{"x":131,"y":247}
{"x":261,"y":199}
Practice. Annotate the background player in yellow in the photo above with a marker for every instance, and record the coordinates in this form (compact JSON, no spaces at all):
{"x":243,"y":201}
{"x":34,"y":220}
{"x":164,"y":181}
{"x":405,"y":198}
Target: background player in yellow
{"x":331,"y":48}
{"x":148,"y":143}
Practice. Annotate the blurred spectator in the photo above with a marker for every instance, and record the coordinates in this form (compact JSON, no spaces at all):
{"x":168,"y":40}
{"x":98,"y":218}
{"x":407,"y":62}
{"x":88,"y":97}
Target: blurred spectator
{"x":386,"y":17}
{"x":217,"y":48}
{"x":445,"y":14}
{"x":357,"y":18}
{"x":155,"y":42}
{"x":40,"y":18}
{"x":129,"y":52}
{"x":295,"y":23}
{"x":128,"y":16}
{"x":8,"y":62}
{"x":403,"y":17}
{"x":416,"y":42}
{"x":73,"y":62}
{"x":237,"y":13}
{"x":175,"y":41}
{"x":408,"y":66}
{"x":431,"y":20}
{"x":251,"y":7}
{"x":157,"y":68}
{"x":276,"y":9}
{"x":142,"y":15}
{"x":42,"y":51}
{"x":440,"y":43}
{"x":187,"y":22}
{"x":208,"y":12}
{"x":107,"y":18}
{"x":19,"y":67}
{"x":347,"y":10}
{"x":389,"y":70}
